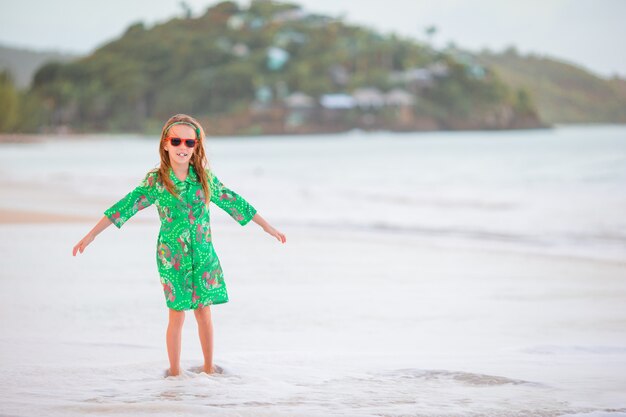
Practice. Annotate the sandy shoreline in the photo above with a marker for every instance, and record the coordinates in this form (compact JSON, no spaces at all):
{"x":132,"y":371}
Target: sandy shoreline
{"x":20,"y":138}
{"x":8,"y":216}
{"x":60,"y":207}
{"x":330,"y":315}
{"x":62,"y":204}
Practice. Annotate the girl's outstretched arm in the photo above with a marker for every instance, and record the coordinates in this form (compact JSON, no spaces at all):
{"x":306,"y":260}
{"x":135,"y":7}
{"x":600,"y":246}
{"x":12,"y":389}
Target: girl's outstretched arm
{"x":269,"y":228}
{"x":238,"y":208}
{"x":89,"y":237}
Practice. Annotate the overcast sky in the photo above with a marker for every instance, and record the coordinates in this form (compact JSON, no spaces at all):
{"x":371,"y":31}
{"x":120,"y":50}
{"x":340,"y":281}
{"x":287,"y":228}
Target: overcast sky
{"x":587,"y":32}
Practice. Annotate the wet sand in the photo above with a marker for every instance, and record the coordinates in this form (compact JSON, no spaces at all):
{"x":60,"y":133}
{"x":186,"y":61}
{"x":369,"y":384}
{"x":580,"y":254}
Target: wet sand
{"x":333,"y":323}
{"x":8,"y":216}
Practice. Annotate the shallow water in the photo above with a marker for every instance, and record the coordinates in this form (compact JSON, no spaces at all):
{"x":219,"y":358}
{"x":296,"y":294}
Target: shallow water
{"x":559,"y":191}
{"x":444,"y":274}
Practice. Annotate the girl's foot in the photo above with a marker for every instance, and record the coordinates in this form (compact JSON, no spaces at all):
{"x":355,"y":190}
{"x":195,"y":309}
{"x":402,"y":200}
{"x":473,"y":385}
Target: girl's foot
{"x":215,"y":369}
{"x":168,"y":372}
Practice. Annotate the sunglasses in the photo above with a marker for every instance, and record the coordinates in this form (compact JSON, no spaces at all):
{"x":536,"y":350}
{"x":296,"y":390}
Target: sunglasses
{"x":190,"y":143}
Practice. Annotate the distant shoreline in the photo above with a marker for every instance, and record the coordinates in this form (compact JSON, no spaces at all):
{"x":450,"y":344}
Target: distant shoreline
{"x":12,"y":138}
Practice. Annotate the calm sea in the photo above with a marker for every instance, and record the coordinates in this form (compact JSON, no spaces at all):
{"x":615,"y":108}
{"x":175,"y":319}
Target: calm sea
{"x":559,"y":191}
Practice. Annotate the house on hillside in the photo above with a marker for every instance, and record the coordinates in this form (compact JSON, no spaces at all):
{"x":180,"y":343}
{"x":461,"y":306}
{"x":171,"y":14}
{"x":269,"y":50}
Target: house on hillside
{"x":291,"y":15}
{"x":276,"y":58}
{"x":401,"y":103}
{"x":419,"y":79}
{"x":399,"y":98}
{"x":300,"y":110}
{"x":415,"y":79}
{"x":335,"y":108}
{"x":368,"y":98}
{"x":286,"y":37}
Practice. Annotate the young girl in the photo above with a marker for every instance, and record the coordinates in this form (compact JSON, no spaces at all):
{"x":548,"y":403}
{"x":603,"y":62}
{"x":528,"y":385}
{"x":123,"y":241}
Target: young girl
{"x":189,"y":268}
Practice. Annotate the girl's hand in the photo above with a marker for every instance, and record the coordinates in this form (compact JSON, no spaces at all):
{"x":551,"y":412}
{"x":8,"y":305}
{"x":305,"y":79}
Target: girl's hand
{"x":80,"y":246}
{"x":89,"y":237}
{"x":278,"y":235}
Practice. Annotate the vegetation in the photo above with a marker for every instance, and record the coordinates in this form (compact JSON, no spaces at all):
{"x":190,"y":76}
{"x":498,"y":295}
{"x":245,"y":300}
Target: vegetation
{"x":563,"y":92}
{"x":215,"y":67}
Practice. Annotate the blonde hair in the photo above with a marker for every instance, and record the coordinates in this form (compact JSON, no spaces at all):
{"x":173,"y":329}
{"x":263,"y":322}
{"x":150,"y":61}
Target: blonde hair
{"x":198,"y":158}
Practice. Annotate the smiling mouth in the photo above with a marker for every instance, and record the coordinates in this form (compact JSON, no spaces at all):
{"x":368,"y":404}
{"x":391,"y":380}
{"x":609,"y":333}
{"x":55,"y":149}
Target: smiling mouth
{"x":182,"y":154}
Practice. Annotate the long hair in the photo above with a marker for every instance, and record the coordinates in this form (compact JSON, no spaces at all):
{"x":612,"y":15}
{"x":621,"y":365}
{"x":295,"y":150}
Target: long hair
{"x":198,"y":158}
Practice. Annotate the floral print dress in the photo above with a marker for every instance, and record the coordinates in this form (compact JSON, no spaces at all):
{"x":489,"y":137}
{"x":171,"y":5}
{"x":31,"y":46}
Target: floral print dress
{"x":188,"y":266}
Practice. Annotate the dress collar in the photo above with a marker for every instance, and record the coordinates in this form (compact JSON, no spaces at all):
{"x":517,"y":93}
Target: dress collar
{"x":191,"y":176}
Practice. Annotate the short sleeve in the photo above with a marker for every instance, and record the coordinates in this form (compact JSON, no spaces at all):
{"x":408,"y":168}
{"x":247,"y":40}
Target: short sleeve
{"x":229,"y":201}
{"x":138,"y":199}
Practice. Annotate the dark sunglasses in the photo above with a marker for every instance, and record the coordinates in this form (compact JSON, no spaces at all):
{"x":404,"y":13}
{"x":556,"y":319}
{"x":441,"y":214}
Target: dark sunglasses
{"x":190,"y":143}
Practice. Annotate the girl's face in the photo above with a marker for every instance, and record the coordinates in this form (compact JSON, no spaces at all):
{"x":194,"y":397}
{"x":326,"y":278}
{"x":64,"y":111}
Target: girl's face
{"x":180,"y":154}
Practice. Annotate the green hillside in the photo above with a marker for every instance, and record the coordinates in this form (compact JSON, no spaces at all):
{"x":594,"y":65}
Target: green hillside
{"x":563,"y":92}
{"x":267,"y":68}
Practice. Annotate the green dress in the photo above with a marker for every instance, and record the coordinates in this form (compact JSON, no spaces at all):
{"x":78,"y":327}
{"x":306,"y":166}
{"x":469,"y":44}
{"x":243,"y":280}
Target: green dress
{"x":189,"y":268}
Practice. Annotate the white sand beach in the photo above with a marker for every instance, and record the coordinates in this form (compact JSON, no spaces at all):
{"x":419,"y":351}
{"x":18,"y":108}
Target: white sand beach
{"x":399,"y":316}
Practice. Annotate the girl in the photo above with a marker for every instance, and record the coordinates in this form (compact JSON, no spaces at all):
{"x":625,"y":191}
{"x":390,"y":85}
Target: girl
{"x":190,"y":272}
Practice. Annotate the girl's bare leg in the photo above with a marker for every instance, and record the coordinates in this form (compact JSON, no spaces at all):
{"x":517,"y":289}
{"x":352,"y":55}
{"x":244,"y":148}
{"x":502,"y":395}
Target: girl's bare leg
{"x":174,"y":332}
{"x":205,"y":331}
